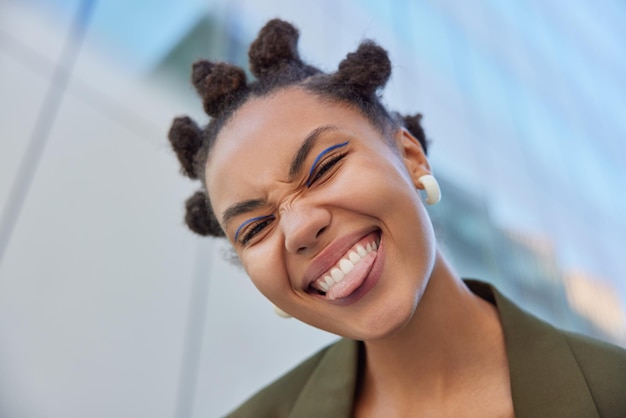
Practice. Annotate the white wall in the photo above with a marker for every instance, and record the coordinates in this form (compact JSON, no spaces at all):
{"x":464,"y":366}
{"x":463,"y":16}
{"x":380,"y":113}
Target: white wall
{"x":100,"y":276}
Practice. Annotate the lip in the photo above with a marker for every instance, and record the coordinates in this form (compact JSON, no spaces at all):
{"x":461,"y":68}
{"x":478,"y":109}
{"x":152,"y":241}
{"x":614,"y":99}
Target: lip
{"x":331,"y":255}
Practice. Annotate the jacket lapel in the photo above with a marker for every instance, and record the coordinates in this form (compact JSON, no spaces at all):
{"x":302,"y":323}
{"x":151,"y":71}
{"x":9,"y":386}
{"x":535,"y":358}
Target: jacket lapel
{"x":546,"y":380}
{"x":329,"y":391}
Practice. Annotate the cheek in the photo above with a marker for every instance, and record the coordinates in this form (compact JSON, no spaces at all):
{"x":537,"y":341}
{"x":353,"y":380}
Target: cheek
{"x":376,"y":185}
{"x":265,"y":268}
{"x":388,"y":192}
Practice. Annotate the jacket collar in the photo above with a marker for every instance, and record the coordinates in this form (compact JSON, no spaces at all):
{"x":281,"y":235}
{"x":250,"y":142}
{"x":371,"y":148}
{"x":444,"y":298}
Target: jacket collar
{"x":329,"y":391}
{"x":546,"y":380}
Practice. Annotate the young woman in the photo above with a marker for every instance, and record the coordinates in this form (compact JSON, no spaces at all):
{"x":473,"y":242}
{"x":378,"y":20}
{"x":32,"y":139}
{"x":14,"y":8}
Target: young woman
{"x":316,"y":184}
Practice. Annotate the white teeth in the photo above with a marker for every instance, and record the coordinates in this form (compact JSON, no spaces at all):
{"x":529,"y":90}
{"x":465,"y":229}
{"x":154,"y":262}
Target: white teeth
{"x":337,"y":274}
{"x":329,"y":281}
{"x":346,"y":266}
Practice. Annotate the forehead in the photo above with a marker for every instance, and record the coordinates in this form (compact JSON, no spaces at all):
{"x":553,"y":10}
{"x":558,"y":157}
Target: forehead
{"x":257,"y":144}
{"x":283,"y":118}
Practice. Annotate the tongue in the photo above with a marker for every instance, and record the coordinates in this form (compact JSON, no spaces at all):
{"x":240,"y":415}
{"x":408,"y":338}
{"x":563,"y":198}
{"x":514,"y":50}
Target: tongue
{"x":354,"y":279}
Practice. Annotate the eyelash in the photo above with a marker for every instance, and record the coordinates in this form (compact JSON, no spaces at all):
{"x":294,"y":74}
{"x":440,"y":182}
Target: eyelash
{"x":321,"y":169}
{"x":255,"y":228}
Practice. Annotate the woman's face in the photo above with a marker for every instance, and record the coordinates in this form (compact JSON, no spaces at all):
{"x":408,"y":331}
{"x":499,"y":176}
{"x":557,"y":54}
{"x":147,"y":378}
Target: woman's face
{"x":323,"y":212}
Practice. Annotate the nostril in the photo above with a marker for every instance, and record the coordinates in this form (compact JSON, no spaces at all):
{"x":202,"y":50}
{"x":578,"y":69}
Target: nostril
{"x":302,"y":249}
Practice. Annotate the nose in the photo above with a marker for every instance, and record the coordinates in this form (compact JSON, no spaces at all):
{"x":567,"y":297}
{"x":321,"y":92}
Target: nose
{"x":303,"y":226}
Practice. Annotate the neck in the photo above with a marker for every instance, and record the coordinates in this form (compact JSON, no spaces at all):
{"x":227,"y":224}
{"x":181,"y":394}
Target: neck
{"x":453,"y":338}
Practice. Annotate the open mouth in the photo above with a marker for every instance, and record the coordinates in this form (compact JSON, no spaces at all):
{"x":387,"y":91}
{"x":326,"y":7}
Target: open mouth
{"x":349,"y":272}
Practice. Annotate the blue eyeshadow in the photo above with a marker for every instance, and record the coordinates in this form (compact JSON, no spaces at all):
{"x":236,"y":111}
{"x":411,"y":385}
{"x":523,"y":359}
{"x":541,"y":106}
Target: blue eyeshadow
{"x":320,"y":155}
{"x":248,"y":222}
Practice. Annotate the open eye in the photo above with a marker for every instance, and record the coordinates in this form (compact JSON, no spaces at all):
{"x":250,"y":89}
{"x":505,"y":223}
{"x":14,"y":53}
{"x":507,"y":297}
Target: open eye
{"x":251,"y":228}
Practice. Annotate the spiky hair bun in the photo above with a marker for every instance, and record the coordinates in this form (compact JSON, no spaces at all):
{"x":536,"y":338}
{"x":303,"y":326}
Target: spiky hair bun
{"x":275,"y":47}
{"x":186,"y":139}
{"x":413,"y":123}
{"x":365,"y":70}
{"x":200,"y":217}
{"x":219,"y":85}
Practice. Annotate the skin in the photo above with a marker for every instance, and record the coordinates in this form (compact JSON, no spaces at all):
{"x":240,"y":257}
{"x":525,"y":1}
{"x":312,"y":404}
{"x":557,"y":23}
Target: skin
{"x":412,"y":311}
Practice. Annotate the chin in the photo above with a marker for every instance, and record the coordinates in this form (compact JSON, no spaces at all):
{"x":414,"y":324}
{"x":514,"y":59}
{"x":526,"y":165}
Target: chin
{"x":380,"y":325}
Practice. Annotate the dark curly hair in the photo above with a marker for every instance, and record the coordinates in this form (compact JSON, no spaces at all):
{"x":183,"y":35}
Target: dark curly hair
{"x":276,"y":64}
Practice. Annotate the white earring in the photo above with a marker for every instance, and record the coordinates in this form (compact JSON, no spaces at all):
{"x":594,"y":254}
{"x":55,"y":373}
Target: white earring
{"x":433,"y":192}
{"x":280,"y":312}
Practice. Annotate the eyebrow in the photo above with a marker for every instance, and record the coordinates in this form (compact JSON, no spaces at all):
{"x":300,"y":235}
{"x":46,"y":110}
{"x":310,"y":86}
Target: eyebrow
{"x":240,"y":208}
{"x":306,"y":147}
{"x":295,"y":167}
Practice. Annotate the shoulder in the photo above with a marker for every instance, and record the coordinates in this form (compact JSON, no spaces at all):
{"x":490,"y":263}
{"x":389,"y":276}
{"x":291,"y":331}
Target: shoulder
{"x":284,"y":395}
{"x":555,"y":372}
{"x":604,"y":368}
{"x":277,"y":399}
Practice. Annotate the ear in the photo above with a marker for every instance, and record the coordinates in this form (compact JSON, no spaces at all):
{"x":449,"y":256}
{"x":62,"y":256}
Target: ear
{"x":413,"y":156}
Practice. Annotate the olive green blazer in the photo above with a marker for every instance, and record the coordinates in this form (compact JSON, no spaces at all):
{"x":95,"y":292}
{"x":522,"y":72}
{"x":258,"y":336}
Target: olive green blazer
{"x":553,"y":374}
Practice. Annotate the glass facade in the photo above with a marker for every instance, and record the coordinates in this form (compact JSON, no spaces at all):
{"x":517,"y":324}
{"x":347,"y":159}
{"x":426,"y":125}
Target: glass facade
{"x":532,"y":168}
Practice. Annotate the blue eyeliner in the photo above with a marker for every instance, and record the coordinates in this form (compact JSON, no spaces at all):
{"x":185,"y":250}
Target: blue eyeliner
{"x":258,"y":218}
{"x":321,"y":154}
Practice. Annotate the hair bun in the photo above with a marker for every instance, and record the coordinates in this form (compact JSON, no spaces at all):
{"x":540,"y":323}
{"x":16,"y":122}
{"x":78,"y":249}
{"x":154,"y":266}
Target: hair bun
{"x":219,"y":85}
{"x":413,"y":123}
{"x":186,"y":139}
{"x":275,"y":47}
{"x":200,"y":70}
{"x":200,"y":218}
{"x":366,"y":70}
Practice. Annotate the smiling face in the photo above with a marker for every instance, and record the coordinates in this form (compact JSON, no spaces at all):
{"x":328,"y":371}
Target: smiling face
{"x":323,"y":212}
